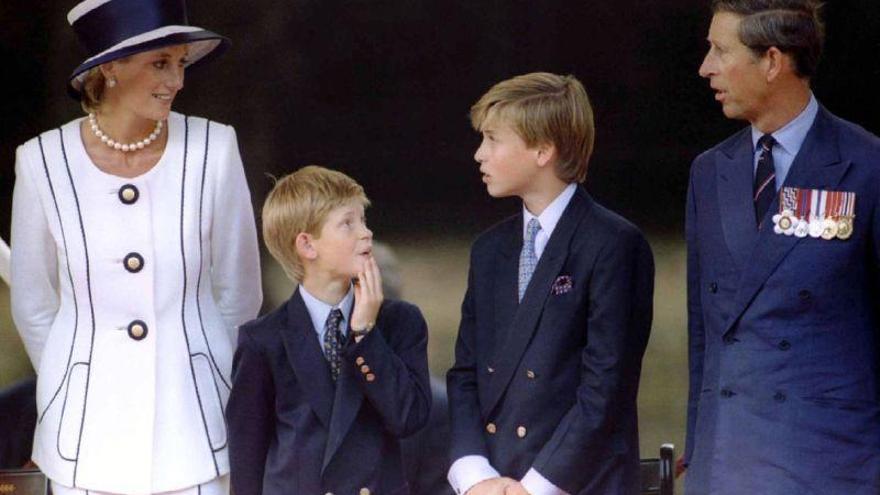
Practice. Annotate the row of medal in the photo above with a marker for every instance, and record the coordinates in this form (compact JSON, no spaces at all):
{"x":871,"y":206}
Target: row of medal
{"x":815,"y":213}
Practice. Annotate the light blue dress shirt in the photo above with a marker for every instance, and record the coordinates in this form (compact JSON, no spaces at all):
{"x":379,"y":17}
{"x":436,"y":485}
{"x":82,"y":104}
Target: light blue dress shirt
{"x":319,"y":311}
{"x":789,"y":140}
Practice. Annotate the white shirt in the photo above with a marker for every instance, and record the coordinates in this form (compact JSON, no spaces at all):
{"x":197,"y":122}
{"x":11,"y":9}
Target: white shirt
{"x":469,"y":470}
{"x":319,"y":311}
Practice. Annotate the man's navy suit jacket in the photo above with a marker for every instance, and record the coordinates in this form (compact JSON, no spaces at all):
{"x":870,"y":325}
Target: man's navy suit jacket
{"x":550,"y":383}
{"x":783,"y":330}
{"x":293,"y":432}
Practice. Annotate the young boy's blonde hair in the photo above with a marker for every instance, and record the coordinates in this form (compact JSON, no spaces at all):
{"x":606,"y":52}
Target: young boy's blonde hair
{"x":544,"y":108}
{"x":299,"y":203}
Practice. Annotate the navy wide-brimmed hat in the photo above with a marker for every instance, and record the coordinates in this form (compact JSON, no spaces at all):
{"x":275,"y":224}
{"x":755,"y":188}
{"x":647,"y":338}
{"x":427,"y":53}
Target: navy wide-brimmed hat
{"x":113,"y":29}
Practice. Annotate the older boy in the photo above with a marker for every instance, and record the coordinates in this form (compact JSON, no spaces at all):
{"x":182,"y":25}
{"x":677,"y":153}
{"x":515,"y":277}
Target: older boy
{"x":326,"y":385}
{"x":557,"y":313}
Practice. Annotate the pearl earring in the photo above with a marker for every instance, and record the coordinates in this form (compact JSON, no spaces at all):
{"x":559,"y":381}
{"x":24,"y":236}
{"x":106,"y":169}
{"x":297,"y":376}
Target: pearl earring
{"x":111,"y":82}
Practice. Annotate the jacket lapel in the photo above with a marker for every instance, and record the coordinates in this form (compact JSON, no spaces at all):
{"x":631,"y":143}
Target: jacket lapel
{"x":507,"y":280}
{"x":307,"y":359}
{"x":527,"y":314}
{"x":816,"y":166}
{"x":346,"y":404}
{"x":735,"y":203}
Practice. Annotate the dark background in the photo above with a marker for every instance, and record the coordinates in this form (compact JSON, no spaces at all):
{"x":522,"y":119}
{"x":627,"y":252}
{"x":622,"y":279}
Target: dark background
{"x":381,"y":90}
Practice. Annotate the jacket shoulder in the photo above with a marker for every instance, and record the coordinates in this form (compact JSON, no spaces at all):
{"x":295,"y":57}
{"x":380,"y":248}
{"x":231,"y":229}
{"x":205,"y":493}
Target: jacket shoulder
{"x":490,"y":239}
{"x":265,"y":329}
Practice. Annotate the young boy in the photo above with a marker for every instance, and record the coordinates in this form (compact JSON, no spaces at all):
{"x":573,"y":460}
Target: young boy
{"x":557,"y":312}
{"x":326,"y":385}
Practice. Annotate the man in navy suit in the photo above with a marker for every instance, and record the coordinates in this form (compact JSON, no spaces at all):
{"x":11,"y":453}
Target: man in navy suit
{"x":325,"y":386}
{"x":556,"y":317}
{"x":783,"y":236}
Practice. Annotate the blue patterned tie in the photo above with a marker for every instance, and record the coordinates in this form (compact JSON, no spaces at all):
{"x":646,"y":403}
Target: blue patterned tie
{"x":527,"y":258}
{"x":333,"y":342}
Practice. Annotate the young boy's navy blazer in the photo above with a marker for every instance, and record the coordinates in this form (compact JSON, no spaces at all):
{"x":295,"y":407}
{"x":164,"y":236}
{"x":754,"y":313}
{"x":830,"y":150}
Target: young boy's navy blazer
{"x":550,"y":383}
{"x":292,"y":431}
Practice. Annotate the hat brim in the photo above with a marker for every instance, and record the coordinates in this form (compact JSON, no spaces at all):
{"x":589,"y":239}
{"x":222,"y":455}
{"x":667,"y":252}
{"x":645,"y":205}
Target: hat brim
{"x":204,"y":45}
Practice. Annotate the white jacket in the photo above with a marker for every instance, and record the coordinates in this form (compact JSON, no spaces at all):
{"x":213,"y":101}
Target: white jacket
{"x":129,"y":311}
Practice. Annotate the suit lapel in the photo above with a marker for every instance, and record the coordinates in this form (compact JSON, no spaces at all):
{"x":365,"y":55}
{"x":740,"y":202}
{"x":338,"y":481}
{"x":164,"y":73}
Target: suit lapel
{"x":735,"y":204}
{"x":507,"y":280}
{"x":307,"y":359}
{"x":527,"y":314}
{"x":816,"y":166}
{"x":346,"y":404}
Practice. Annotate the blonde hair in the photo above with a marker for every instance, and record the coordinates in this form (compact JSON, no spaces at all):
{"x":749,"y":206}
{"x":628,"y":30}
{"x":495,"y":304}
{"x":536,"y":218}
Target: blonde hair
{"x":300,"y":203}
{"x":544,"y":108}
{"x":92,"y":90}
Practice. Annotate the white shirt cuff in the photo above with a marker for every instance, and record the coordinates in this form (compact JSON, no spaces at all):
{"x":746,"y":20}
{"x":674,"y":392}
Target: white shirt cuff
{"x":536,"y":484}
{"x":469,"y":470}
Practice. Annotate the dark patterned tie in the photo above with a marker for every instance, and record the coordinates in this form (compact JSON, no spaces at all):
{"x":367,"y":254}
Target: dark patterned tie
{"x":765,"y":178}
{"x":333,"y":342}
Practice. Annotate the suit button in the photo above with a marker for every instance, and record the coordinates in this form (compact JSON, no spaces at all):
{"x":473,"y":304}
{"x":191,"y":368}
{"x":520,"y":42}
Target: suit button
{"x":521,"y":431}
{"x":364,"y":491}
{"x":729,"y":339}
{"x":779,"y":397}
{"x":370,"y":377}
{"x":133,"y":262}
{"x":490,"y":369}
{"x":128,"y":194}
{"x":784,"y":345}
{"x":329,"y":493}
{"x":490,"y":428}
{"x":713,"y":287}
{"x":365,"y":369}
{"x":530,"y":374}
{"x":359,"y":360}
{"x":137,"y":330}
{"x":805,"y":295}
{"x":726,"y":393}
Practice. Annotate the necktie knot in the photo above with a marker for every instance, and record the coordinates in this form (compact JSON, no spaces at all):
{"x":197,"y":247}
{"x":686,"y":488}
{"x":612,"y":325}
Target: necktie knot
{"x":532,"y":229}
{"x":766,"y":142}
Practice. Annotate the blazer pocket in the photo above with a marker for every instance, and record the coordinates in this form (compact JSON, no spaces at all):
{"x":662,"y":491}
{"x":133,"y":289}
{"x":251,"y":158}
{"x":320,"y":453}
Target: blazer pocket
{"x":210,"y":400}
{"x":72,"y":410}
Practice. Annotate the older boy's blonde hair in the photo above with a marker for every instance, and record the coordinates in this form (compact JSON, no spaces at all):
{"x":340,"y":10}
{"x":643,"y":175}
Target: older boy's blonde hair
{"x":544,"y":108}
{"x":299,"y":203}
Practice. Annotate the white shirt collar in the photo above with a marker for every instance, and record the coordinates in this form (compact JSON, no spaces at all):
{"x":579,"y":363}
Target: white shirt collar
{"x":319,"y":310}
{"x":552,"y":213}
{"x":792,"y":135}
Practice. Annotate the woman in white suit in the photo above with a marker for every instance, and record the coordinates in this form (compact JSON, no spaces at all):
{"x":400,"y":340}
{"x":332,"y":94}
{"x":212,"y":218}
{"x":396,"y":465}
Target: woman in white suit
{"x":134,"y":259}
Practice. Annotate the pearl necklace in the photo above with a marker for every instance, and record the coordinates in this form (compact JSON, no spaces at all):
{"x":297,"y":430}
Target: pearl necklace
{"x":139,"y":145}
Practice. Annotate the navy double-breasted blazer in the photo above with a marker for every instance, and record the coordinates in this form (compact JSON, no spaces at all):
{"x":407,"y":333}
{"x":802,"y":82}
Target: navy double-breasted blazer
{"x":550,"y":383}
{"x":293,"y":432}
{"x":783,"y":330}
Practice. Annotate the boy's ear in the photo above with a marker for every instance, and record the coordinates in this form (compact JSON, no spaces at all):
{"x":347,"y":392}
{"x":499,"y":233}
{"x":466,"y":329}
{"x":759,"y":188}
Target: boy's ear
{"x":304,"y":246}
{"x":545,"y":153}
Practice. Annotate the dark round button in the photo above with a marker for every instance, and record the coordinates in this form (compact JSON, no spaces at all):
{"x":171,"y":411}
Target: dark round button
{"x":779,"y":397}
{"x":729,"y":339}
{"x":133,"y":262}
{"x":713,"y":287}
{"x":784,"y":345}
{"x":726,"y":393}
{"x":137,"y":330}
{"x":128,"y":194}
{"x":805,"y":295}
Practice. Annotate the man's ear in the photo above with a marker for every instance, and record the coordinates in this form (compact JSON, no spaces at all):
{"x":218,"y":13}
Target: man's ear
{"x":777,"y":63}
{"x":305,"y":247}
{"x":545,"y":153}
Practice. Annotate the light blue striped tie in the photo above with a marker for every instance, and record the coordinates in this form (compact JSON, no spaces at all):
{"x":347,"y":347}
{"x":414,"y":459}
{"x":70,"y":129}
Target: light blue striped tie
{"x":527,"y":258}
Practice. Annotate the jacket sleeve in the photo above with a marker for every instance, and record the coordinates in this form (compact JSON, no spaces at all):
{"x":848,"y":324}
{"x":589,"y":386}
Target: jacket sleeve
{"x":235,"y":256}
{"x":34,"y":261}
{"x":392,"y":364}
{"x":696,"y":332}
{"x":619,"y":320}
{"x":466,"y":425}
{"x":250,"y":416}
